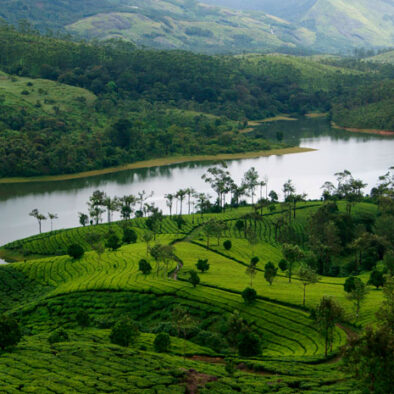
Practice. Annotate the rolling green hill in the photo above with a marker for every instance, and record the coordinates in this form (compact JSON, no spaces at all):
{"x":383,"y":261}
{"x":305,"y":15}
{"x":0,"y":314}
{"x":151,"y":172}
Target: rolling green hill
{"x":192,"y":26}
{"x":48,"y":291}
{"x":384,"y":58}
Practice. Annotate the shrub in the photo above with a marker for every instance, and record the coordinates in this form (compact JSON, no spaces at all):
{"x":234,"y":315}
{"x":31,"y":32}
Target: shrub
{"x":129,"y":236}
{"x":60,"y":335}
{"x":283,"y":265}
{"x":25,"y":92}
{"x":227,"y":244}
{"x":194,"y":279}
{"x":113,"y":242}
{"x":249,"y":345}
{"x":75,"y":251}
{"x":144,"y":267}
{"x":124,"y":332}
{"x":82,"y":318}
{"x":202,"y":265}
{"x":249,"y":295}
{"x":10,"y":333}
{"x":162,"y":342}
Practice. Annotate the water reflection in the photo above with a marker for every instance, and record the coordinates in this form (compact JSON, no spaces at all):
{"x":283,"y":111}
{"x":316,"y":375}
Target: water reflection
{"x":367,"y":156}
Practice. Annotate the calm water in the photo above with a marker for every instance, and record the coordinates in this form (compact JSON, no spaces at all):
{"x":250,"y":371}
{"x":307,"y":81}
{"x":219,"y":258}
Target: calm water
{"x":366,"y":156}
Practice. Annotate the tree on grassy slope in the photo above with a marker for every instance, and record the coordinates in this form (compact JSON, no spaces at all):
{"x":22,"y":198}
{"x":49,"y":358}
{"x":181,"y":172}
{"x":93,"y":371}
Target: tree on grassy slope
{"x":194,"y":279}
{"x":96,"y":242}
{"x":327,"y":314}
{"x":370,"y":357}
{"x":357,"y":294}
{"x":292,"y":254}
{"x":124,"y":332}
{"x":162,"y":342}
{"x":270,"y":272}
{"x":249,"y":344}
{"x":308,"y":276}
{"x":83,"y":219}
{"x":249,"y":295}
{"x":251,"y":270}
{"x":376,"y":278}
{"x":202,"y":265}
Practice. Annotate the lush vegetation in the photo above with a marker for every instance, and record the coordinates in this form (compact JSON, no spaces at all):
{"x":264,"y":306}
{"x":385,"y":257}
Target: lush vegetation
{"x":133,"y":303}
{"x":68,"y":107}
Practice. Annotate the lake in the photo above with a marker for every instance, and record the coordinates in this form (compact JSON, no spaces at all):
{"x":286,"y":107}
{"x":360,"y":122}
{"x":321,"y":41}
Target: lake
{"x":366,"y":156}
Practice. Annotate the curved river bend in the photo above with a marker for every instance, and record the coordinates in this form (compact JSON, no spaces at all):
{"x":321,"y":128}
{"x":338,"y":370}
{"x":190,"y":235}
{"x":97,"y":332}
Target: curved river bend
{"x":366,"y":156}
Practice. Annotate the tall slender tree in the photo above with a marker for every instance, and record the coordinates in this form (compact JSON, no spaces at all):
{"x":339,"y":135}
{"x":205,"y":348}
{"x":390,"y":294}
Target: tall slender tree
{"x":39,"y":216}
{"x":169,"y":201}
{"x":251,"y":181}
{"x":52,"y":217}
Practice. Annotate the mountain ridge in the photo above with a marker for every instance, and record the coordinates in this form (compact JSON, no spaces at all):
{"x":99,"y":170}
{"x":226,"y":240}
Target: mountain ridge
{"x":217,"y":26}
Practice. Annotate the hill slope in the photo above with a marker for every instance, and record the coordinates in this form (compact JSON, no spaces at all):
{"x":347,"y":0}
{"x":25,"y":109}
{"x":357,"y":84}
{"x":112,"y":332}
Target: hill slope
{"x":337,"y":24}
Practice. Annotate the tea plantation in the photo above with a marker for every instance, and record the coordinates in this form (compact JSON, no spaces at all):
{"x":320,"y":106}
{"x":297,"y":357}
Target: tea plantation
{"x":46,"y":291}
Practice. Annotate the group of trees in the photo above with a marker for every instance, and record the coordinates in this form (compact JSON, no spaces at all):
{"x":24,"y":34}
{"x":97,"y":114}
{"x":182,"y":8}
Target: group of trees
{"x":35,"y":213}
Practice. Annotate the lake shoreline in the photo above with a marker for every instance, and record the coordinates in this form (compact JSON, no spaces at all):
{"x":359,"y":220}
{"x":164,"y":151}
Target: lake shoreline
{"x":365,"y":131}
{"x":157,"y":163}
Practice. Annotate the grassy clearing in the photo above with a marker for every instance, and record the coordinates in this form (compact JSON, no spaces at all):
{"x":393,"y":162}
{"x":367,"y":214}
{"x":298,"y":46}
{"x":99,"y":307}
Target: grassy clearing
{"x":29,"y":92}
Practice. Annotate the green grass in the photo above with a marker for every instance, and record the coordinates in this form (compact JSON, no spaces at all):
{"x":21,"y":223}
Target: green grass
{"x":48,"y":93}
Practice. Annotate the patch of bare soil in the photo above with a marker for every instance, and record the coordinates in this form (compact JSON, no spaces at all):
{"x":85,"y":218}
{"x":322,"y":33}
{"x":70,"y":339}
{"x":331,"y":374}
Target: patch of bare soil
{"x":195,"y":380}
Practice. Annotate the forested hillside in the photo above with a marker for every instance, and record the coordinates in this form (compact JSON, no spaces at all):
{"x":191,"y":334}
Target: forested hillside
{"x":130,"y":104}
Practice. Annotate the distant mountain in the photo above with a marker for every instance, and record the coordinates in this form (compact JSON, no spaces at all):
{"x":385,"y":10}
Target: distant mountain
{"x":170,"y":24}
{"x":251,"y":26}
{"x":338,"y":24}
